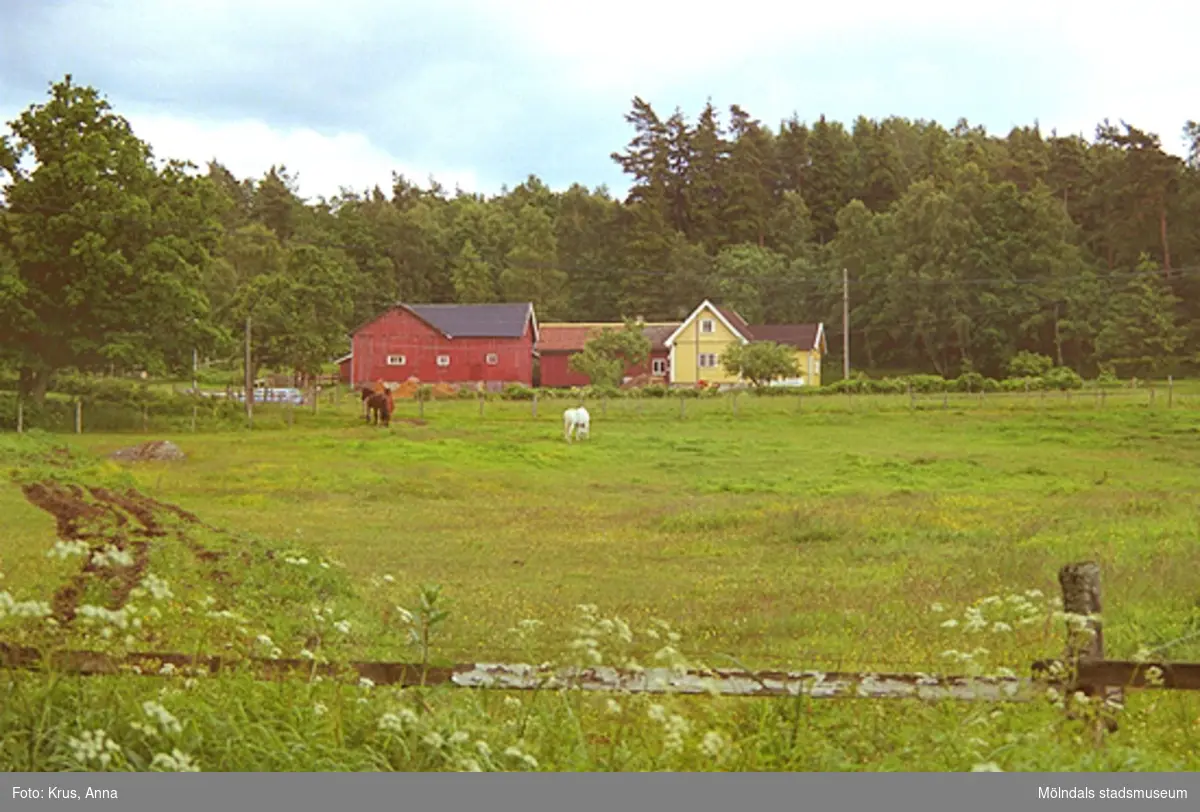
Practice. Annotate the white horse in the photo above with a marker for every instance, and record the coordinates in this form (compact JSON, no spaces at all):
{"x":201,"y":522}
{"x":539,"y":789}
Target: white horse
{"x":576,"y":423}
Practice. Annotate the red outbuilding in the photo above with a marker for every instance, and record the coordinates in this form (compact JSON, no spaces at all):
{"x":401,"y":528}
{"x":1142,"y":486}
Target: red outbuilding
{"x":491,"y":344}
{"x":560,"y":340}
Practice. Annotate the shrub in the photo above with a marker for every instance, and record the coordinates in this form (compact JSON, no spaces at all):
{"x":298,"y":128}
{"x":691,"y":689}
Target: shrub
{"x":924,"y":384}
{"x":517,"y":391}
{"x":1062,"y":378}
{"x":1027,"y":364}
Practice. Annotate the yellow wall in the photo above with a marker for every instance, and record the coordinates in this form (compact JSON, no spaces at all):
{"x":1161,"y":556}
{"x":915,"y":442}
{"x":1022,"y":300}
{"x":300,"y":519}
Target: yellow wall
{"x":686,"y":350}
{"x":802,"y":357}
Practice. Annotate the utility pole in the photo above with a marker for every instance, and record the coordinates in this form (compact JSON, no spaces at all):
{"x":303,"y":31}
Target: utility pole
{"x":846,"y":323}
{"x":249,"y":378}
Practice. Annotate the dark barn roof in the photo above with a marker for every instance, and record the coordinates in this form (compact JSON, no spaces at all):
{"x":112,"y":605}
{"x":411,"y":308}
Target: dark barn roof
{"x":473,"y":320}
{"x":803,"y":336}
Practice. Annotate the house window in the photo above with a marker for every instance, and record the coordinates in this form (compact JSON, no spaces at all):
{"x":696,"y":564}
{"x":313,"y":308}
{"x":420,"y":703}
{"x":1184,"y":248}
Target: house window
{"x":659,"y":366}
{"x":493,"y":359}
{"x":708,"y":360}
{"x":443,"y":360}
{"x":396,"y":360}
{"x":707,"y":326}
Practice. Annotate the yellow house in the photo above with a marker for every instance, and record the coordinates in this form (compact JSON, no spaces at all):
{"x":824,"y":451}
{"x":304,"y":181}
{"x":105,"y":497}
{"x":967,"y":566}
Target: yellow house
{"x":697,"y":344}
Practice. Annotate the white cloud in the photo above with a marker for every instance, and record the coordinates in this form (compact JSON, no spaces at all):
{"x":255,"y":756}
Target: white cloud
{"x":322,"y":164}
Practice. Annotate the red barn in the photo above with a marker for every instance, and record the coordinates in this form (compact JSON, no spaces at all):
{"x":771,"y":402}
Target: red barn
{"x":343,"y":365}
{"x":560,"y":340}
{"x":443,"y":343}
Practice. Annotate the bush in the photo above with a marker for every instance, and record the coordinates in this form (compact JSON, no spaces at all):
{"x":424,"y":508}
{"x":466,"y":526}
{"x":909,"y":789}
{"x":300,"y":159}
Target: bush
{"x":925,"y":384}
{"x":654,"y":390}
{"x":1062,"y":378}
{"x":516,"y":391}
{"x":1027,"y":364}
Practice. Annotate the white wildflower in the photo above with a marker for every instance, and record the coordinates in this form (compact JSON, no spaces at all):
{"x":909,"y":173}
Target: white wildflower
{"x":319,"y":709}
{"x":434,"y":739}
{"x":167,"y":669}
{"x":342,"y":626}
{"x":658,"y":713}
{"x":949,"y":624}
{"x":714,"y":744}
{"x":512,"y":702}
{"x":613,"y":707}
{"x":364,"y":682}
{"x":676,"y":728}
{"x":93,"y":745}
{"x":177,"y":761}
{"x":470,"y":765}
{"x":937,"y":607}
{"x":1001,"y":627}
{"x":389,"y":579}
{"x":164,"y":717}
{"x":459,"y":737}
{"x":305,"y":654}
{"x":65,"y":549}
{"x":483,"y":749}
{"x":159,"y":589}
{"x":264,"y":640}
{"x":989,"y":767}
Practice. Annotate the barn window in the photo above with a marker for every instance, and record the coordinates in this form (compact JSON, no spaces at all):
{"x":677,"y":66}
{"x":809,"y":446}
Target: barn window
{"x":659,"y":366}
{"x":443,"y":360}
{"x":396,"y":360}
{"x":707,"y":326}
{"x":493,"y":359}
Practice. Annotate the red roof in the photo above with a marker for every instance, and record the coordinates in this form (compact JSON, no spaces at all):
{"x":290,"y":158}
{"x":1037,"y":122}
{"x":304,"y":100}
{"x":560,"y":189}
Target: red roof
{"x":572,"y":337}
{"x":803,"y":336}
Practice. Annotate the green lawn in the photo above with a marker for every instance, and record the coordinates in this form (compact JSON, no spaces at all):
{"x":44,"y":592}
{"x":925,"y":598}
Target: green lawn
{"x":812,"y":537}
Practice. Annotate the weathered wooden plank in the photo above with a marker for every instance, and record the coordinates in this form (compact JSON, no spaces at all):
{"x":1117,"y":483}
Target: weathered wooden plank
{"x":727,"y":682}
{"x":1126,"y":674}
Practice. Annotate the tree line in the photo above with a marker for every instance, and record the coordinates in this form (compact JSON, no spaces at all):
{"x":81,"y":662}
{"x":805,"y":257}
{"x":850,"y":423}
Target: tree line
{"x":961,"y":248}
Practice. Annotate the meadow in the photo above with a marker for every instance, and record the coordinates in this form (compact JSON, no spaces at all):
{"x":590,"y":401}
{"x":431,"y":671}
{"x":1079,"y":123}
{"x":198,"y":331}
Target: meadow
{"x":835,"y":534}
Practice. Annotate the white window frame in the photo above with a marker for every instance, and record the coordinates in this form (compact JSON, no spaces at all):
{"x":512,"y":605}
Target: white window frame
{"x":392,"y":362}
{"x":658,"y":366}
{"x":492,"y":359}
{"x":708,"y":326}
{"x":443,"y":360}
{"x":709,"y":360}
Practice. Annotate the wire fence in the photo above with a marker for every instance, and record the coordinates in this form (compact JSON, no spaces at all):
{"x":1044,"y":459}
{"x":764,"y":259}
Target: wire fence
{"x":340,"y":407}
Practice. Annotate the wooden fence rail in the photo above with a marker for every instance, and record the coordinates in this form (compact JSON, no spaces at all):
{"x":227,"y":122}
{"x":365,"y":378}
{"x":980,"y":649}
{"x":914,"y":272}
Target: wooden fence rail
{"x":1084,"y":669}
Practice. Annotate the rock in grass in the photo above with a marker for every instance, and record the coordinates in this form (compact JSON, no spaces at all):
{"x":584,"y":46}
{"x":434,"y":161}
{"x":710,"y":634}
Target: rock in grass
{"x":152,"y":450}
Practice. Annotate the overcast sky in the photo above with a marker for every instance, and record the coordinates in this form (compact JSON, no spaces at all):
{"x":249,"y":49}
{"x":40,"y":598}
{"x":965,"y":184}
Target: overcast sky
{"x":482,"y":94}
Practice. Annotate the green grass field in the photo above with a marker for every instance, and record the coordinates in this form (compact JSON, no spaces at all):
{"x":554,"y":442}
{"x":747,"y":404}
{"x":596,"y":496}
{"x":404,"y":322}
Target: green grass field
{"x":819,"y":535}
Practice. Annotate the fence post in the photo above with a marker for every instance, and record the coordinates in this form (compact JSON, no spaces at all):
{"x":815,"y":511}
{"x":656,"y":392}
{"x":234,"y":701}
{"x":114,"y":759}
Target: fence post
{"x":912,"y":403}
{"x":682,"y":407}
{"x":20,"y":416}
{"x":1080,"y":584}
{"x":945,"y":399}
{"x":291,"y":412}
{"x":1170,"y":390}
{"x":420,"y":404}
{"x":78,"y":415}
{"x":1152,"y":395}
{"x":1042,"y":399}
{"x":481,"y":403}
{"x":533,"y":407}
{"x":1103,"y":397}
{"x":193,"y":419}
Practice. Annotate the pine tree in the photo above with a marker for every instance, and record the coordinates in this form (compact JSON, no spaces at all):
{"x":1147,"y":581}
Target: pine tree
{"x":473,"y":280}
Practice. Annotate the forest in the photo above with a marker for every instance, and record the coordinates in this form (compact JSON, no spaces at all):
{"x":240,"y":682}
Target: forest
{"x":961,"y":248}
